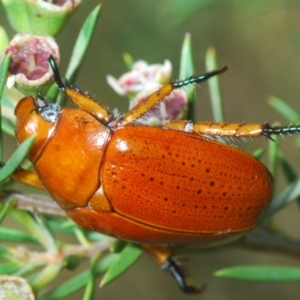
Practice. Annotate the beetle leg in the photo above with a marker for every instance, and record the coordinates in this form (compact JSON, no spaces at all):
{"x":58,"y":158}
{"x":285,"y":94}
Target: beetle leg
{"x":88,"y":104}
{"x":153,"y":99}
{"x":27,"y":177}
{"x":165,"y":257}
{"x":79,"y":98}
{"x":231,"y":129}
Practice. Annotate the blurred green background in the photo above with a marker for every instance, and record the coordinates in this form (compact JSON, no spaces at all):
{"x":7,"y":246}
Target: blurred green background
{"x":260,"y":42}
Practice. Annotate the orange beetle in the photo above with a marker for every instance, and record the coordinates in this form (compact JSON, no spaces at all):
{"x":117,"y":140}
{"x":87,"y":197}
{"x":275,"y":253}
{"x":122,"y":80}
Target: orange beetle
{"x":170,"y":185}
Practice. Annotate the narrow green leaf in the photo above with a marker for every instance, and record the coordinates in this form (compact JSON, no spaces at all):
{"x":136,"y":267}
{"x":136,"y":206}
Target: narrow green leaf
{"x":285,"y":197}
{"x":187,"y":69}
{"x":45,"y":276}
{"x":28,"y":268}
{"x":81,"y":45}
{"x":214,"y":86}
{"x":273,"y":155}
{"x":7,"y":127}
{"x":284,"y":109}
{"x":16,"y":159}
{"x":3,"y":38}
{"x":3,"y":73}
{"x":261,"y":273}
{"x":52,"y":93}
{"x":186,"y":59}
{"x":4,"y":209}
{"x":258,"y":153}
{"x":90,"y":287}
{"x":129,"y":60}
{"x":9,"y":268}
{"x":289,"y":173}
{"x":80,"y":234}
{"x":36,"y":230}
{"x":96,"y":236}
{"x":79,"y":281}
{"x":123,"y":261}
{"x":11,"y":235}
{"x":51,"y":244}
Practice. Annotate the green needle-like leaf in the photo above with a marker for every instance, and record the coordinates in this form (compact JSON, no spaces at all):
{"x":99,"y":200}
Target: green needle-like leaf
{"x":3,"y":73}
{"x":16,"y":159}
{"x":3,"y":38}
{"x":89,"y":290}
{"x":258,"y":153}
{"x":288,"y":171}
{"x":79,"y":281}
{"x":273,"y":155}
{"x":129,"y":60}
{"x":4,"y":210}
{"x":37,"y":230}
{"x":288,"y":195}
{"x":214,"y":86}
{"x":44,"y":277}
{"x":82,"y":43}
{"x":11,"y":235}
{"x":80,"y":48}
{"x":260,"y":273}
{"x":187,"y":69}
{"x":285,"y":110}
{"x":123,"y":261}
{"x":7,"y":127}
{"x":9,"y":268}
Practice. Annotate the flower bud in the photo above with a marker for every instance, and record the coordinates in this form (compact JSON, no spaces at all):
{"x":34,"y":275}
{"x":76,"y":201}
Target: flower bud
{"x":145,"y":79}
{"x":39,"y":16}
{"x":29,"y":70}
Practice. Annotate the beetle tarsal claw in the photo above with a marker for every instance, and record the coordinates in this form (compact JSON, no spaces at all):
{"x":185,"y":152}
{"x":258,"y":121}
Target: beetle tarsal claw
{"x":173,"y":267}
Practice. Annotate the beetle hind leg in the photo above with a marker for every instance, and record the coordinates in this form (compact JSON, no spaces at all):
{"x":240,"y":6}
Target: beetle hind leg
{"x":165,"y":257}
{"x":174,"y":268}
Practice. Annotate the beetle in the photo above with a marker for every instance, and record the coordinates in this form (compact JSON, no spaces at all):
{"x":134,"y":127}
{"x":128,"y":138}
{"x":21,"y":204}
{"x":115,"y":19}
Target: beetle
{"x":164,"y":186}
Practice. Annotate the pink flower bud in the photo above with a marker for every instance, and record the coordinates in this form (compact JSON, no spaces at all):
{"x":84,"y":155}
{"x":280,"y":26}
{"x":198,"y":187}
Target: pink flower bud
{"x":29,"y":70}
{"x":145,"y":79}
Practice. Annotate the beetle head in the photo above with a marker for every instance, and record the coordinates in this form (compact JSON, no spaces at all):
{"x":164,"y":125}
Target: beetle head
{"x":35,"y":116}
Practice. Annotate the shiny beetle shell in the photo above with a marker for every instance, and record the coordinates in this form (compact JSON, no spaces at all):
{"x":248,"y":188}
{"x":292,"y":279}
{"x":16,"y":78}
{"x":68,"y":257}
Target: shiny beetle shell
{"x":145,"y":184}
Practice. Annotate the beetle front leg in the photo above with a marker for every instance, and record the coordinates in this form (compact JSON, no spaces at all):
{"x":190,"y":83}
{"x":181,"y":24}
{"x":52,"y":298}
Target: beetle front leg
{"x":28,"y":178}
{"x":79,"y":98}
{"x":165,"y":257}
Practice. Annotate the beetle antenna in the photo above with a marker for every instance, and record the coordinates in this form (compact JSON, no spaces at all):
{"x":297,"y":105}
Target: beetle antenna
{"x":268,"y":130}
{"x":56,"y":73}
{"x":195,"y":79}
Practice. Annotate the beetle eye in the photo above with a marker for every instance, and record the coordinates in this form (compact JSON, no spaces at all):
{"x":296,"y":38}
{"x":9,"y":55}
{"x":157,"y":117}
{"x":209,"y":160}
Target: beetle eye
{"x":50,"y":112}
